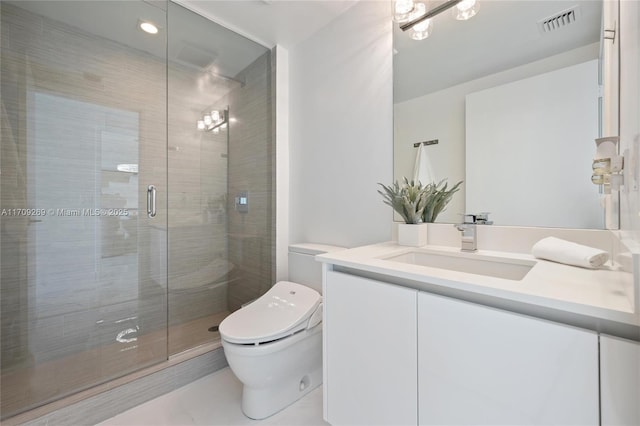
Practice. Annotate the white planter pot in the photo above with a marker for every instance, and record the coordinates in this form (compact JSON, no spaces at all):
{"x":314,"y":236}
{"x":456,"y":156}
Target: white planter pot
{"x":414,"y":235}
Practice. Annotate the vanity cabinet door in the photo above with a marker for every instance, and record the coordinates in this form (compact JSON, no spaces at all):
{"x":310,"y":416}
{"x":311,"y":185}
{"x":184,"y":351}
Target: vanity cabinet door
{"x":619,"y":381}
{"x":479,"y":365}
{"x":370,"y":352}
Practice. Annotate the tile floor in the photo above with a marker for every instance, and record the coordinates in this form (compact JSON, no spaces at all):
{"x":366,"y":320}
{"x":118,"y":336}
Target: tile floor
{"x":215,"y":400}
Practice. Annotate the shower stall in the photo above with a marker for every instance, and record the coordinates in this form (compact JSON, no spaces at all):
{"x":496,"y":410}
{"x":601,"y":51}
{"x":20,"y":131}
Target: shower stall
{"x":136,"y":189}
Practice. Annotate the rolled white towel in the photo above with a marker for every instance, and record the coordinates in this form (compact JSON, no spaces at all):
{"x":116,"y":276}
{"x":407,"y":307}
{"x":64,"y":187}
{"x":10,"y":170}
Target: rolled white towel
{"x":570,"y":253}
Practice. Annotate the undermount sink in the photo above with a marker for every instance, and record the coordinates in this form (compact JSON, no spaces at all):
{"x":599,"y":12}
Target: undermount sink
{"x":471,"y":263}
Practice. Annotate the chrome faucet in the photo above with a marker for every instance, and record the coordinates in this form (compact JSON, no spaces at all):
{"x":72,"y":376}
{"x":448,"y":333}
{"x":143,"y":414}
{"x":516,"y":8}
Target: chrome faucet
{"x":469,"y":240}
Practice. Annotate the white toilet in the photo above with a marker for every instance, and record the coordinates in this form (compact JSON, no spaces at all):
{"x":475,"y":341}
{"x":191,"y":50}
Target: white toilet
{"x":274,"y":344}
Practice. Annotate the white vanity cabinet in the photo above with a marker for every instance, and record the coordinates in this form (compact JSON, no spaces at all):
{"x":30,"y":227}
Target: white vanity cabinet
{"x":398,"y":356}
{"x":479,"y":365}
{"x":369,"y":352}
{"x":619,"y":381}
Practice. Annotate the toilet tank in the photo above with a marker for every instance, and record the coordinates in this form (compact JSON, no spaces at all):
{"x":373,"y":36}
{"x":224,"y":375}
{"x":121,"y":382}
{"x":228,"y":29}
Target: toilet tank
{"x":303,"y":268}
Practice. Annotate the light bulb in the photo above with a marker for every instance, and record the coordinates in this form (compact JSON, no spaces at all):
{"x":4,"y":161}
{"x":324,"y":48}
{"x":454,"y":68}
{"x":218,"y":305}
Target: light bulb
{"x":215,"y":115}
{"x":200,"y":125}
{"x":148,"y":27}
{"x":466,"y":9}
{"x":422,"y":30}
{"x":402,"y":10}
{"x":207,"y":120}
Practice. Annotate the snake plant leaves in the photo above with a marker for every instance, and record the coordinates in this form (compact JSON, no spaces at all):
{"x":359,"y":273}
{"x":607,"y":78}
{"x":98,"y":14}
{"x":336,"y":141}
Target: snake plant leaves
{"x":437,"y":199}
{"x":407,"y":199}
{"x":417,"y":203}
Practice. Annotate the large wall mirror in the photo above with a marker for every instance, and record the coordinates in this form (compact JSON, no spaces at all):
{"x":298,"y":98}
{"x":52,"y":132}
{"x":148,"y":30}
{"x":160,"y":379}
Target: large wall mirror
{"x":515,"y":110}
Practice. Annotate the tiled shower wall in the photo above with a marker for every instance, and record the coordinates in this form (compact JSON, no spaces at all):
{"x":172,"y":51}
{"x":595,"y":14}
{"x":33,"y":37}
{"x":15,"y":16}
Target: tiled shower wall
{"x":219,"y":257}
{"x":251,"y":170}
{"x":197,"y":175}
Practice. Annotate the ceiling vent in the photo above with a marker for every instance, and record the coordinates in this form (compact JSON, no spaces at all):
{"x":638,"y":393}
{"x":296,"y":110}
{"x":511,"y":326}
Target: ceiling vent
{"x":559,"y":20}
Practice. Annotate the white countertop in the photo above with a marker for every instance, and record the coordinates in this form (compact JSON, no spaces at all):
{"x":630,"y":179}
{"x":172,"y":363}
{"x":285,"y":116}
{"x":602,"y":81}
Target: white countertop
{"x":599,"y":294}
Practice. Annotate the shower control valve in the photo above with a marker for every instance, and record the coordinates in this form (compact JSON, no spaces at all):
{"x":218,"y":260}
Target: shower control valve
{"x":242,"y":202}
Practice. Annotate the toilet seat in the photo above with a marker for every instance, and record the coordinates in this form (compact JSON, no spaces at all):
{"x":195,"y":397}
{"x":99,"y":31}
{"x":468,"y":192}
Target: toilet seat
{"x":285,"y":309}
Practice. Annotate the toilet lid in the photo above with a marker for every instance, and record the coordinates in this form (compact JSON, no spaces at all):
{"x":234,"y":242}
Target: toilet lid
{"x":281,"y":311}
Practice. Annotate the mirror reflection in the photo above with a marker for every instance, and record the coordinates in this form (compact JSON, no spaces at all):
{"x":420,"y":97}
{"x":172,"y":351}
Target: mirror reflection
{"x":514,"y":108}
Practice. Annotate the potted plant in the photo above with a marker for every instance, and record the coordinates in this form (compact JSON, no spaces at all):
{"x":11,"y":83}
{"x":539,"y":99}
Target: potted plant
{"x":418,"y":205}
{"x":409,"y":200}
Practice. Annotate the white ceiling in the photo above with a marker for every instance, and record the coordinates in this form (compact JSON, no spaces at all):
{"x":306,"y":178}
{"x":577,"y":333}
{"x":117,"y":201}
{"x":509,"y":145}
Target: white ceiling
{"x":503,"y":35}
{"x":271,"y":22}
{"x":193,"y":41}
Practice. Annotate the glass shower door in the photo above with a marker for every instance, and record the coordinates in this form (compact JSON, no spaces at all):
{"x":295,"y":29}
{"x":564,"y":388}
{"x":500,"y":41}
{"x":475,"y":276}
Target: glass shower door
{"x":220,"y":150}
{"x":83,"y":197}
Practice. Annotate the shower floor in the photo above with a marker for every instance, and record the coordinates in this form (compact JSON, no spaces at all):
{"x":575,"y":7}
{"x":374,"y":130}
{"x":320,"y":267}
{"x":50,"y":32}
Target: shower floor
{"x":28,"y":387}
{"x":194,"y":333}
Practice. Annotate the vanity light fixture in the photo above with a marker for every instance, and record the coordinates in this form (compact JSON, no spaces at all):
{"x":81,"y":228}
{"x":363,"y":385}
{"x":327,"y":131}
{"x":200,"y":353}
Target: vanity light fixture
{"x":402,"y":10}
{"x":414,"y":15}
{"x":213,"y":120}
{"x":422,"y":29}
{"x":466,"y":9}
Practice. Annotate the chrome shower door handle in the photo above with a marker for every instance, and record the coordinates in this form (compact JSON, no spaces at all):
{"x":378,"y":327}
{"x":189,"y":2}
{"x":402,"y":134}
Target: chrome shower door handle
{"x":151,"y":201}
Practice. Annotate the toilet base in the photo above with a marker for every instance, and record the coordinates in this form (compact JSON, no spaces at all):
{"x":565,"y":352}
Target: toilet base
{"x":276,"y":374}
{"x":260,"y":403}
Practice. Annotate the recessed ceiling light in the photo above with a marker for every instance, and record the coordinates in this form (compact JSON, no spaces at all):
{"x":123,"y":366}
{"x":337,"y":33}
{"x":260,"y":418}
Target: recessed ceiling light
{"x":148,"y":27}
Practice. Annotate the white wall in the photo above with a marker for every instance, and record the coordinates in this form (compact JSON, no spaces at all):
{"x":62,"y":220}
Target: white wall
{"x":341,"y":106}
{"x":441,"y":115}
